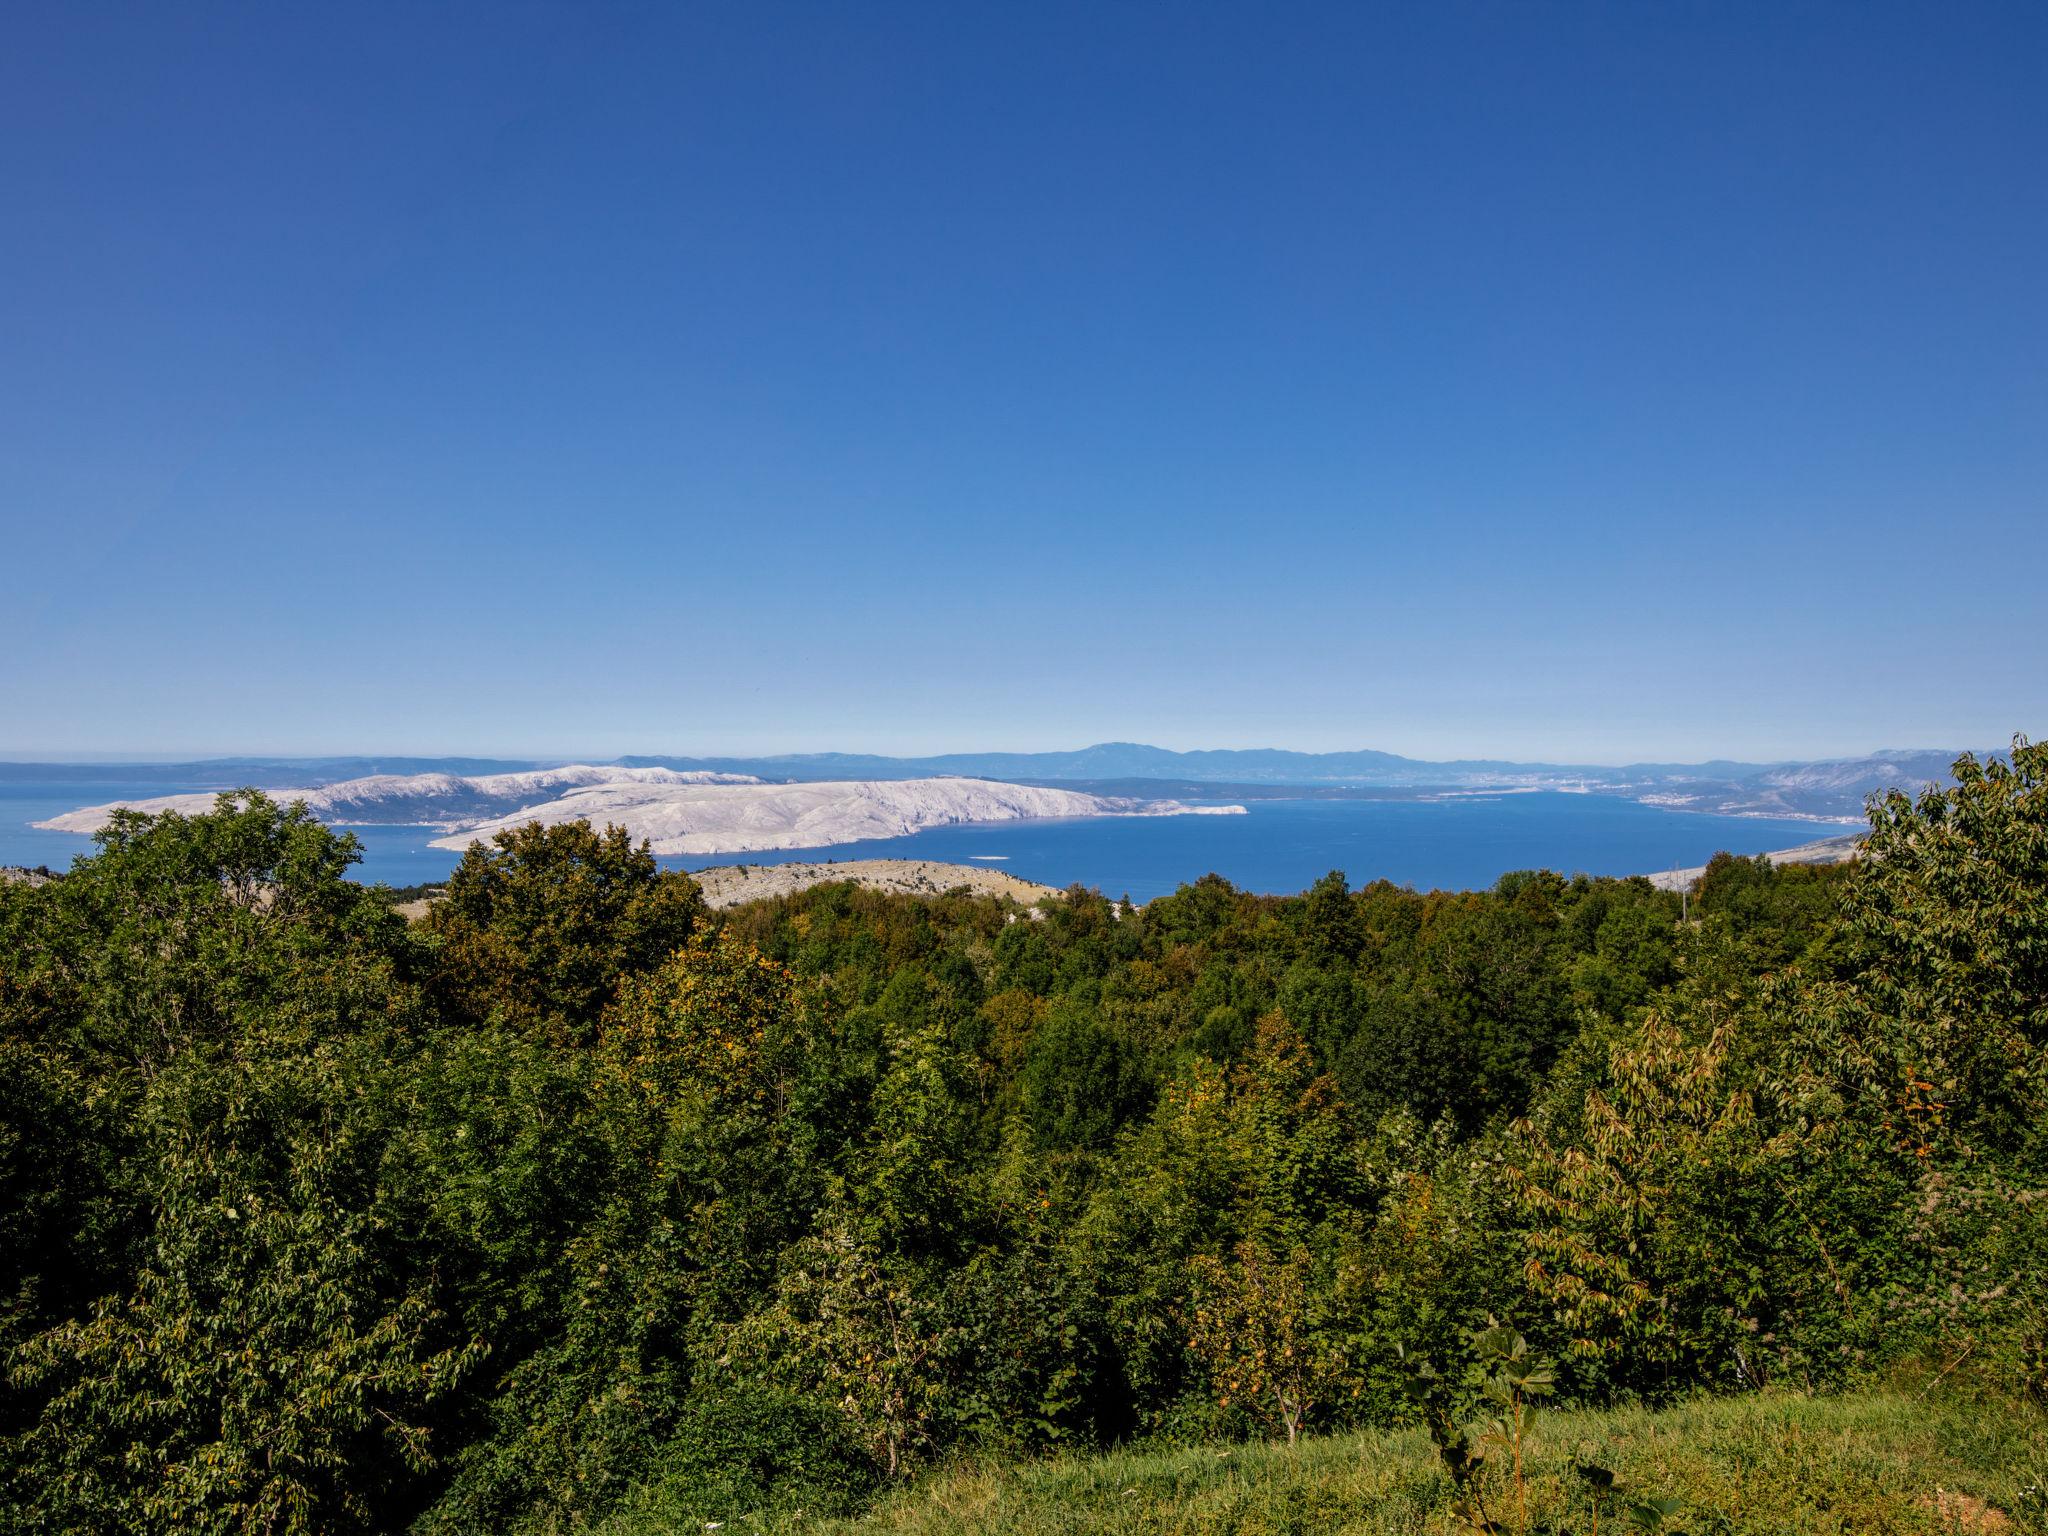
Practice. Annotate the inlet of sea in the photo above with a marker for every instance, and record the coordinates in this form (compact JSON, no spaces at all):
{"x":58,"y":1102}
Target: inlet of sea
{"x":1462,"y":842}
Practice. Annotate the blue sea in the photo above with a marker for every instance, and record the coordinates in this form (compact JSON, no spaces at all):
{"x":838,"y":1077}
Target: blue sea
{"x":1465,"y":842}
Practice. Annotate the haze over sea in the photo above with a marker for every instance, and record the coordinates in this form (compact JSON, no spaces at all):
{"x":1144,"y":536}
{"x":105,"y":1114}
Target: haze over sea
{"x":1460,"y":842}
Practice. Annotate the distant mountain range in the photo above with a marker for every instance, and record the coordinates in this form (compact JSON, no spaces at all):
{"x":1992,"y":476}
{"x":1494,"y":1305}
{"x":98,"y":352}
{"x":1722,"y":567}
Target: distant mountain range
{"x":1832,"y":789}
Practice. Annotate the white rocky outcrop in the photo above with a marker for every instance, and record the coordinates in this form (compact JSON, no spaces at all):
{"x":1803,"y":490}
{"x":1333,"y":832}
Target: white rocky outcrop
{"x":1827,"y":850}
{"x":678,"y":813}
{"x":751,"y":818}
{"x":445,"y":800}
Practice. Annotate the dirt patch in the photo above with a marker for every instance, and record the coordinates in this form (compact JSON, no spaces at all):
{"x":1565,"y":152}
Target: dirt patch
{"x":1966,"y":1514}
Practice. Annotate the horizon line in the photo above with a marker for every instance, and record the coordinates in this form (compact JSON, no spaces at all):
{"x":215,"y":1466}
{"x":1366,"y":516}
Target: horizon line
{"x":552,"y":759}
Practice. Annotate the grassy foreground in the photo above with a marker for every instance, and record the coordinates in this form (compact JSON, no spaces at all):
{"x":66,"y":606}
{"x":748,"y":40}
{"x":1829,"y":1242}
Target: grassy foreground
{"x":1772,"y":1465}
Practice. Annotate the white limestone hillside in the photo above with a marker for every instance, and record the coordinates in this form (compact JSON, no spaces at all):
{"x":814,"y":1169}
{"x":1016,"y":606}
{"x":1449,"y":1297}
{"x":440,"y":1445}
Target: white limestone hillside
{"x":729,"y":885}
{"x":677,"y":812}
{"x":752,"y":818}
{"x":1828,"y":850}
{"x":444,"y":800}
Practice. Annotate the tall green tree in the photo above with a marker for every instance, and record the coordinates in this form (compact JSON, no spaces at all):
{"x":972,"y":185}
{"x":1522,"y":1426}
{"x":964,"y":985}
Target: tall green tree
{"x":540,"y":925}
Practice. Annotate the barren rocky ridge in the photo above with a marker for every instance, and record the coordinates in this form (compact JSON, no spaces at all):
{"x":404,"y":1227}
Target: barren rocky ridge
{"x":676,"y":811}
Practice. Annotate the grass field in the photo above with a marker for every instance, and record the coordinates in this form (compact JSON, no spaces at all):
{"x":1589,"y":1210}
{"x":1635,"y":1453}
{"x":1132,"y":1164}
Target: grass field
{"x":1773,"y":1465}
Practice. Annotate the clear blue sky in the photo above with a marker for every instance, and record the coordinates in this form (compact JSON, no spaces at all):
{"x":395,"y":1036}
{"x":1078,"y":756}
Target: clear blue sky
{"x":1590,"y":382}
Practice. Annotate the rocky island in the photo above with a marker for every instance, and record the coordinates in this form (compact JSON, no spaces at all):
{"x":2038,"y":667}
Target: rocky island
{"x":677,"y":812}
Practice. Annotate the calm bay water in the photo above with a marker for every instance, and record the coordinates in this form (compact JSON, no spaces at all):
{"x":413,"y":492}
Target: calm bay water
{"x":1280,"y":846}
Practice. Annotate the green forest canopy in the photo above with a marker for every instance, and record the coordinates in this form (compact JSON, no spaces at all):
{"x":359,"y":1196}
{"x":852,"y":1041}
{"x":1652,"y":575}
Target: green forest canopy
{"x":314,"y":1220}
